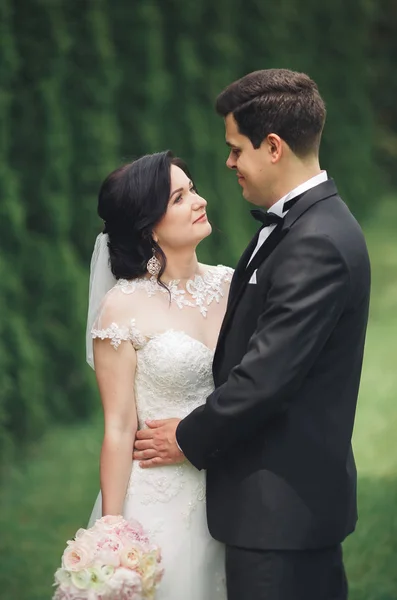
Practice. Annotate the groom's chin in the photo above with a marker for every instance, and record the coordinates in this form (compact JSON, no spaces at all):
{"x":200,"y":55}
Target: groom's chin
{"x":248,"y":197}
{"x":245,"y":193}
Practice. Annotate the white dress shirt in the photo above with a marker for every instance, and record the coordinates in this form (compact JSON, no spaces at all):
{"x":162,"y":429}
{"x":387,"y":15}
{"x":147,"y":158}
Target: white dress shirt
{"x":277,"y":207}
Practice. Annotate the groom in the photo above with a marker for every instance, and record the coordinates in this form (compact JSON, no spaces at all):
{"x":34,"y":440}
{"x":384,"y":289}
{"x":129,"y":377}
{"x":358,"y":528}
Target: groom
{"x":275,"y":435}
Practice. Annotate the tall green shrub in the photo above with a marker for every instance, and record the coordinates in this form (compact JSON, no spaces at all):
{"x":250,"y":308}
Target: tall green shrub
{"x":86,"y":86}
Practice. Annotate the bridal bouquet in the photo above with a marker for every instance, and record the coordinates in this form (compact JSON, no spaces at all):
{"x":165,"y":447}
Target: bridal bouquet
{"x":112,"y":560}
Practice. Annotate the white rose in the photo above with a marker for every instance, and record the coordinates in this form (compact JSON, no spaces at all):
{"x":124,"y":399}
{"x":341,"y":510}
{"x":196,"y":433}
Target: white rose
{"x":101,"y":575}
{"x":81,"y":579}
{"x":80,"y":533}
{"x":107,"y":572}
{"x":62,"y":576}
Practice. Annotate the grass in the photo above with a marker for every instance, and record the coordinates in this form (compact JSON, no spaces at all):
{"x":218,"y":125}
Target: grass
{"x":47,"y":497}
{"x":42,"y":504}
{"x":371,"y":552}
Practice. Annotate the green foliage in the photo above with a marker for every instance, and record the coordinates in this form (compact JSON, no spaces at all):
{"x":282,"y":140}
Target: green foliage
{"x":384,"y":85}
{"x":88,"y":85}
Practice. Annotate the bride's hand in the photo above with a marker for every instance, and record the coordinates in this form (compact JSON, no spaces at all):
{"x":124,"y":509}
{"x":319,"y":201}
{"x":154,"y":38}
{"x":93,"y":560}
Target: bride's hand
{"x":156,"y":446}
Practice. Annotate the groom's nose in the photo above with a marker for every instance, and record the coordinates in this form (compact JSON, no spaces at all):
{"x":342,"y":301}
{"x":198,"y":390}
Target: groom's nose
{"x":231,"y":162}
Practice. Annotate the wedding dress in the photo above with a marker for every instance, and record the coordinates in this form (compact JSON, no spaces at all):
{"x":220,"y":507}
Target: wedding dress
{"x":173,"y":376}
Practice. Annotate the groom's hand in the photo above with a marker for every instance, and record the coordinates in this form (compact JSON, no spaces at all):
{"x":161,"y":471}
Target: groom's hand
{"x":156,"y":446}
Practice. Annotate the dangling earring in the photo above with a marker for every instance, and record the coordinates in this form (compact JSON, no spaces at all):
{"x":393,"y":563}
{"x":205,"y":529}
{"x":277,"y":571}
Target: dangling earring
{"x":154,"y":265}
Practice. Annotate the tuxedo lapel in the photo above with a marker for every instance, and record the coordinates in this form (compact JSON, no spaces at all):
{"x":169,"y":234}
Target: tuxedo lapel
{"x":241,"y":267}
{"x":267,"y":247}
{"x":246,"y":272}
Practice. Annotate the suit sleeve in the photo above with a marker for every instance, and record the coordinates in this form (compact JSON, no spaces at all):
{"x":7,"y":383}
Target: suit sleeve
{"x":308,"y":291}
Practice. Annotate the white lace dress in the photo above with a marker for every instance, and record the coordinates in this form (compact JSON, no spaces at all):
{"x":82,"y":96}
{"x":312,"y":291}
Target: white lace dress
{"x":172,"y":378}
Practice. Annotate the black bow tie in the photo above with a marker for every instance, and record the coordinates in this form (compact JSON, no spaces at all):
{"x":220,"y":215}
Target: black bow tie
{"x":266,"y":218}
{"x":269,"y":218}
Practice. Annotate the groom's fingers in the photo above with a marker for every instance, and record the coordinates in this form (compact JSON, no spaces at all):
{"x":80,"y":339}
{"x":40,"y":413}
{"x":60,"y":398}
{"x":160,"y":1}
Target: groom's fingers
{"x":144,"y":454}
{"x":155,"y":462}
{"x":146,"y":444}
{"x":155,"y":424}
{"x":147,"y":434}
{"x":144,"y":434}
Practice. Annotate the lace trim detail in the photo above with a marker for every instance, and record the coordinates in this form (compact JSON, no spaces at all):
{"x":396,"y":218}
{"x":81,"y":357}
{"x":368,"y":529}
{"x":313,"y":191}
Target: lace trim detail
{"x":117,"y":334}
{"x":198,"y":496}
{"x":203,"y":289}
{"x":156,"y":487}
{"x":164,"y":484}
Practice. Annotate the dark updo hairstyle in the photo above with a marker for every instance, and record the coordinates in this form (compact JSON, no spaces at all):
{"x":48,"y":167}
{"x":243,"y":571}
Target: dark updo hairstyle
{"x":132,"y":200}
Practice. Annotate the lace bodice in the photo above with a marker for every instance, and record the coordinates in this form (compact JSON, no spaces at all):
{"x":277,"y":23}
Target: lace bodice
{"x":173,"y":374}
{"x":174,"y":367}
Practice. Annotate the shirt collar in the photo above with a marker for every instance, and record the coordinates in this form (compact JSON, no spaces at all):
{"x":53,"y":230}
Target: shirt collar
{"x":277,"y":207}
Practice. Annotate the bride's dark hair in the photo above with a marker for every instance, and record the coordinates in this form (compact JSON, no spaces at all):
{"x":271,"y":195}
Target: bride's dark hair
{"x":132,"y":200}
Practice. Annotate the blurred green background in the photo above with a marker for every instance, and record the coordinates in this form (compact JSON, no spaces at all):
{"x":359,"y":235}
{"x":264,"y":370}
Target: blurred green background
{"x":86,"y":85}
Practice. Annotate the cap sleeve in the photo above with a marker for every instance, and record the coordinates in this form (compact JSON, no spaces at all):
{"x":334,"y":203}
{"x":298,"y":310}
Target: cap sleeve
{"x":116,"y":321}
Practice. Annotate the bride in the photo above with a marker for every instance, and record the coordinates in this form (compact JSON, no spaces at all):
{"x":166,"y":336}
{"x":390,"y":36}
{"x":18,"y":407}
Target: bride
{"x":153,"y":322}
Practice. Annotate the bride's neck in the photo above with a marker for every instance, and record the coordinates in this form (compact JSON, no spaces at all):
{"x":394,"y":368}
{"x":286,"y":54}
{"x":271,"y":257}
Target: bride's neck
{"x":182,"y":265}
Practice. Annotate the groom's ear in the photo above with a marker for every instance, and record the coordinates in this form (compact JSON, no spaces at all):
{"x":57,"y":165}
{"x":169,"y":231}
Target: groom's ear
{"x":274,"y":145}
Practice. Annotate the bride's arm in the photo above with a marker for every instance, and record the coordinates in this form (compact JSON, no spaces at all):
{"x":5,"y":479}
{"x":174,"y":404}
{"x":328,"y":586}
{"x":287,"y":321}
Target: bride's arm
{"x":115,"y":373}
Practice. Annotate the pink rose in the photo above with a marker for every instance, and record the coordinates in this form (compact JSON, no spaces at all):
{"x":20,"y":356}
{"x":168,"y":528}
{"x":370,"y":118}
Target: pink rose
{"x":131,"y":557}
{"x":77,"y":556}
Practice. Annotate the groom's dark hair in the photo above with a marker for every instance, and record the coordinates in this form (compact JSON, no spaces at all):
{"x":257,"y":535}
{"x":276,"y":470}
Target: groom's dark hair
{"x":276,"y":101}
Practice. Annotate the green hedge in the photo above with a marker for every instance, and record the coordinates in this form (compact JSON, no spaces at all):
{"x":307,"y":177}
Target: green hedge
{"x":87,"y":85}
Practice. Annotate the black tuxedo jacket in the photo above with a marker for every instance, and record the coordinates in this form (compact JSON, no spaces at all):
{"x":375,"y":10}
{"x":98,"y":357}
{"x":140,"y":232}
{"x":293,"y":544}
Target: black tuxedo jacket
{"x":275,"y":435}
